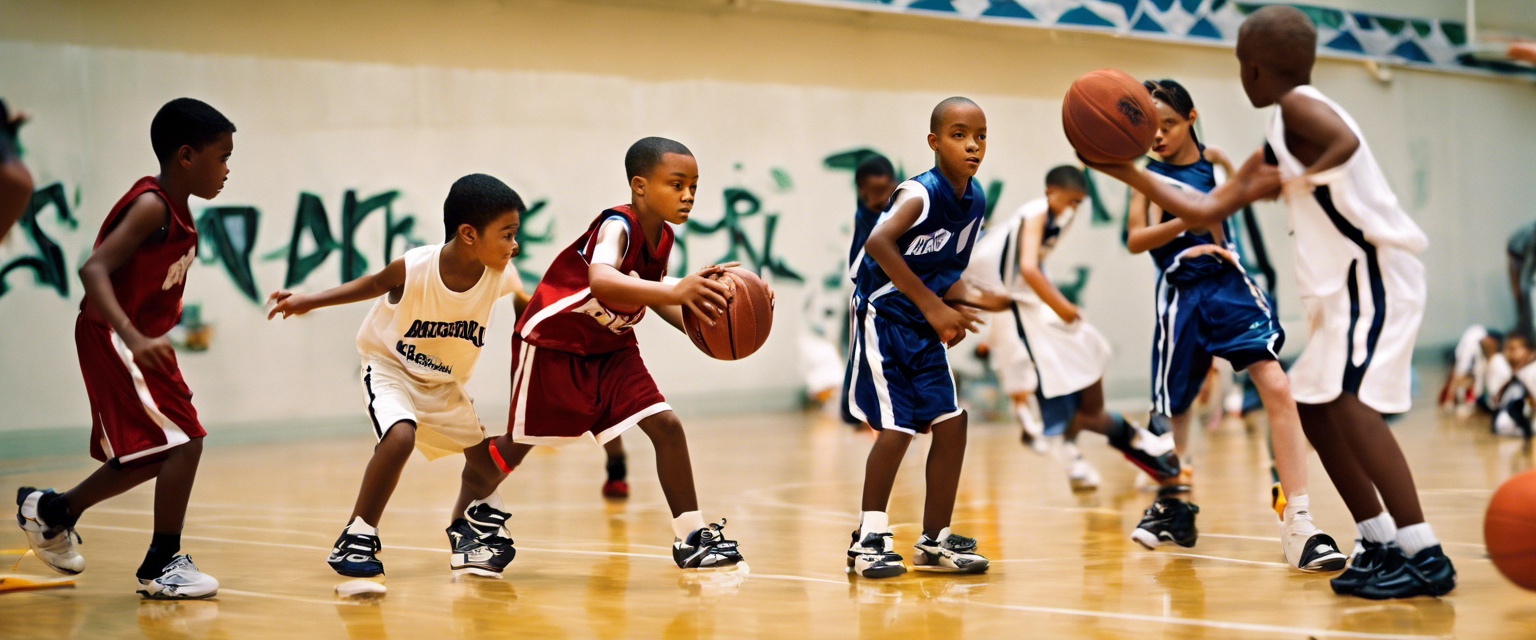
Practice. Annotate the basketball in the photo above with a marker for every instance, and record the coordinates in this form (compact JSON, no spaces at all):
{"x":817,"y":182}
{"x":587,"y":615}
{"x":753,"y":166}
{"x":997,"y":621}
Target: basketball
{"x":1109,"y":117}
{"x":1509,"y":529}
{"x":743,"y":327}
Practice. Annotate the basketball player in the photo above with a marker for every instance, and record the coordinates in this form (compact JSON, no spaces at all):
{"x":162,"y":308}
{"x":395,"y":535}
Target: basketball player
{"x":1363,"y":288}
{"x":419,"y":345}
{"x":15,"y":181}
{"x":1511,"y":378}
{"x":577,"y":373}
{"x":1207,"y":307}
{"x":143,"y":424}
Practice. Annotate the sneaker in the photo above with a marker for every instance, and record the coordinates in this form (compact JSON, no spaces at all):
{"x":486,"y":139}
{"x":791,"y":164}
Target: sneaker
{"x":356,"y":555}
{"x":179,"y":580}
{"x":615,"y":489}
{"x":705,"y":548}
{"x":1152,"y":452}
{"x":482,"y":555}
{"x":487,"y":518}
{"x":1167,"y":520}
{"x":1307,"y":548}
{"x":1367,"y":558}
{"x":1033,"y":434}
{"x":948,"y":553}
{"x":53,"y":542}
{"x":1427,"y":573}
{"x":873,"y":557}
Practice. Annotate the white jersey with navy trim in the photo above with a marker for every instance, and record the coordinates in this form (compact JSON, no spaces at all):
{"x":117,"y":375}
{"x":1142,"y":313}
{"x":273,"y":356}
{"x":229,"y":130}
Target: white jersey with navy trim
{"x":995,"y":260}
{"x":1356,"y":270}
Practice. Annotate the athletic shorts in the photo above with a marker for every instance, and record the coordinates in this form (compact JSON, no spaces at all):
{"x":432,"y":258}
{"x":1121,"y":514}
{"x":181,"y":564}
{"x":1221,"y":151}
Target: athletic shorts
{"x":443,"y":413}
{"x":898,"y":374}
{"x":137,"y":413}
{"x":1224,"y":315}
{"x":559,"y":398}
{"x":1007,"y":355}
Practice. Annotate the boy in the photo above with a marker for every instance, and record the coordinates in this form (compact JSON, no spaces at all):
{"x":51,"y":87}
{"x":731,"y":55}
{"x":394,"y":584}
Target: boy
{"x":1511,"y":377}
{"x":899,"y":376}
{"x":15,"y":181}
{"x":1208,"y":308}
{"x":1355,"y":257}
{"x":419,"y":345}
{"x":577,"y":373}
{"x":1466,"y":384}
{"x":1066,"y":354}
{"x":143,"y":424}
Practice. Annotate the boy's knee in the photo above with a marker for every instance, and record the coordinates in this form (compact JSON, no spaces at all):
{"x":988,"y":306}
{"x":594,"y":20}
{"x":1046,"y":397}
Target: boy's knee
{"x":663,"y":427}
{"x":401,"y":435}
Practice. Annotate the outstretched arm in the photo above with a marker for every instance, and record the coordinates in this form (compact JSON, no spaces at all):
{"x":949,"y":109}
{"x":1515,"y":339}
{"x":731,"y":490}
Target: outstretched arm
{"x":365,"y":288}
{"x":1253,"y":181}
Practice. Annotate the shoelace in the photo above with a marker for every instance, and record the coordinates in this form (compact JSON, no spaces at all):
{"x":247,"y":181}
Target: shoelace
{"x":956,"y":542}
{"x":55,"y":540}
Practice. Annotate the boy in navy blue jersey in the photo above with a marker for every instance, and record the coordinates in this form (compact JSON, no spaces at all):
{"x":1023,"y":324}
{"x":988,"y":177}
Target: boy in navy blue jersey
{"x":899,"y":376}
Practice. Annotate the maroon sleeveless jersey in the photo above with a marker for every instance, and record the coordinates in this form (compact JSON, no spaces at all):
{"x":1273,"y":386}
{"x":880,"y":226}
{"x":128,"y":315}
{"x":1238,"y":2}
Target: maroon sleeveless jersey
{"x":564,"y":316}
{"x":149,"y":283}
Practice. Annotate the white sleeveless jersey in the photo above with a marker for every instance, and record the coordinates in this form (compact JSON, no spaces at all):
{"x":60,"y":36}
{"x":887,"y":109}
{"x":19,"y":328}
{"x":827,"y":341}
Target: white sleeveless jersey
{"x":433,"y":333}
{"x":995,"y":260}
{"x":1338,"y":212}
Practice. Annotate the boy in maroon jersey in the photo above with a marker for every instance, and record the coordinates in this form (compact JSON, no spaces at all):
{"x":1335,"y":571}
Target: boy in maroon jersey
{"x":143,"y":425}
{"x":577,"y":372}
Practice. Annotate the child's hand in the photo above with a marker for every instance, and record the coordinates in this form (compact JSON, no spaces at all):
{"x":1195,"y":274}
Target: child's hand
{"x":1069,"y":314}
{"x":1117,"y":170}
{"x":151,"y":352}
{"x":703,"y":293}
{"x":286,"y":303}
{"x":1257,"y":179}
{"x":1216,"y":250}
{"x":951,"y":323}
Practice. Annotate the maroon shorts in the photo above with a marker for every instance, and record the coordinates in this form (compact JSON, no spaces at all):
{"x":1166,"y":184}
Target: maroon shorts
{"x":136,"y":413}
{"x":559,"y":398}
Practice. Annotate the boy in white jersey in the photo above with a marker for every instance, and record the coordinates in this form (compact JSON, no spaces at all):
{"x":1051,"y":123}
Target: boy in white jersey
{"x":1362,"y":286}
{"x":419,"y":345}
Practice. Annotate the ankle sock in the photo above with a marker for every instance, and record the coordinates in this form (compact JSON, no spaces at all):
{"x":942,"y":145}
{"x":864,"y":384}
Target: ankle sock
{"x":360,"y":528}
{"x":162,"y":548}
{"x":1297,"y":504}
{"x":687,"y":523}
{"x":1415,"y":538}
{"x":1380,"y":529}
{"x":873,"y":522}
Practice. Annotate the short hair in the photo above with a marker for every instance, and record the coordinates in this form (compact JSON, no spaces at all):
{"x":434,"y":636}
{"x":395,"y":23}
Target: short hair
{"x":477,"y":200}
{"x":1520,"y":334}
{"x":1067,"y":177}
{"x":646,"y":153}
{"x":875,"y":166}
{"x":1283,"y":41}
{"x":936,"y":119}
{"x":185,"y":122}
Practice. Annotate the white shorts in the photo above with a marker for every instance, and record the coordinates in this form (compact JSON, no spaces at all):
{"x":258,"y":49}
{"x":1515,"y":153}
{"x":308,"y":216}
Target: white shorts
{"x":1007,"y":356}
{"x":1362,"y":335}
{"x":1068,"y":357}
{"x":444,"y":415}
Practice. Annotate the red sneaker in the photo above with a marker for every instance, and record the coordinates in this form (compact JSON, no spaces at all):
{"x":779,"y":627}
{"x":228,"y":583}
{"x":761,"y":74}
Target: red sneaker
{"x":615,"y":489}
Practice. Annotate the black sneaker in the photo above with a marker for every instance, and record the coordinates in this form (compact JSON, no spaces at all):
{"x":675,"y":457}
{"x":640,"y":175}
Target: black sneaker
{"x":706,"y":548}
{"x":1427,"y":573}
{"x":484,"y":555}
{"x":1150,"y":451}
{"x":872,"y":557}
{"x":1367,"y":558}
{"x":1167,"y":520}
{"x":486,"y":520}
{"x":356,"y":555}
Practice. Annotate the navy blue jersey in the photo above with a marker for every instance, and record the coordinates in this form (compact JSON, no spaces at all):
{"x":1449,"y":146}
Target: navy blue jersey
{"x":937,"y":248}
{"x":1199,"y":176}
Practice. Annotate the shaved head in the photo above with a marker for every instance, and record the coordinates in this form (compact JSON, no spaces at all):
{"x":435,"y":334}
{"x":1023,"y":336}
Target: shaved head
{"x":936,"y":119}
{"x":1280,"y":39}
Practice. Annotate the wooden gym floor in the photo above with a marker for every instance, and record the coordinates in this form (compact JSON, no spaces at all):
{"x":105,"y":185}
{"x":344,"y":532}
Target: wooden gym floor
{"x":265,"y":515}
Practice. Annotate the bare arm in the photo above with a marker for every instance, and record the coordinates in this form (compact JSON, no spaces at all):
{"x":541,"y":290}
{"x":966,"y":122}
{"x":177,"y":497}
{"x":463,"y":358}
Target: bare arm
{"x":881,"y":245}
{"x":1029,"y":268}
{"x":15,"y":191}
{"x":368,"y":287}
{"x":975,"y":294}
{"x":1326,"y":141}
{"x":703,"y":295}
{"x":1141,"y":234}
{"x":144,"y":217}
{"x":1253,"y":181}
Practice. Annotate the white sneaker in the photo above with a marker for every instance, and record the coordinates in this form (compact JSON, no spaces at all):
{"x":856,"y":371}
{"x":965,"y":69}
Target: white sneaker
{"x":872,"y":557}
{"x":1306,"y":547}
{"x":53,"y":544}
{"x":950,"y":553}
{"x":1083,"y":476}
{"x":179,"y":580}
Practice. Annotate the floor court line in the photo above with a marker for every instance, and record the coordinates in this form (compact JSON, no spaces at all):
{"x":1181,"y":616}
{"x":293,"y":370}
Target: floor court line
{"x":386,"y":547}
{"x":1261,"y":563}
{"x":1196,"y":622}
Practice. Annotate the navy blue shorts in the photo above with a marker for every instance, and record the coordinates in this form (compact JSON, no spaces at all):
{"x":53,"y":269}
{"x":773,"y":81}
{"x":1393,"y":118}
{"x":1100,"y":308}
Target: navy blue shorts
{"x":898,"y":374}
{"x":1223,"y":315}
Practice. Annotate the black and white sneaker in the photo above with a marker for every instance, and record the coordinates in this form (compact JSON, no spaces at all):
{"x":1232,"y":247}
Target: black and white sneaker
{"x":1306,"y":547}
{"x":706,"y":548}
{"x":872,"y":557}
{"x":487,"y":518}
{"x":482,"y":555}
{"x":356,"y":555}
{"x":1152,"y":452}
{"x":179,"y":580}
{"x":1367,"y":558}
{"x":52,"y":542}
{"x":1167,"y":520}
{"x":949,"y":553}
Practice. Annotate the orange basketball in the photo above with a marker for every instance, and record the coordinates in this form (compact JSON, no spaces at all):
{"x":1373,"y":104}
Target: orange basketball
{"x":1109,"y":117}
{"x":743,"y":327}
{"x":1509,"y":529}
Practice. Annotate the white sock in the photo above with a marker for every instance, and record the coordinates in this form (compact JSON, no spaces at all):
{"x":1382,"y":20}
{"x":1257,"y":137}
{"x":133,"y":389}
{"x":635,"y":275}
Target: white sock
{"x":1296,"y":504}
{"x":1380,"y":529}
{"x":1415,"y":538}
{"x":493,"y":500}
{"x":874,"y":522}
{"x":358,"y":527}
{"x":687,"y":523}
{"x":1028,"y":420}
